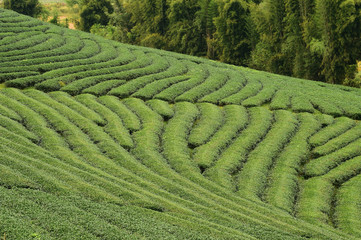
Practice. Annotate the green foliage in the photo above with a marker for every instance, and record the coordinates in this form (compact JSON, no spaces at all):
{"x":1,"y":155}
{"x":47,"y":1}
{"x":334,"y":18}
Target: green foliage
{"x":232,"y":32}
{"x":294,"y":38}
{"x":31,"y":8}
{"x":353,"y":82}
{"x":205,"y":23}
{"x":176,"y":145}
{"x":55,"y":20}
{"x":94,"y":12}
{"x":338,"y":37}
{"x":184,"y":36}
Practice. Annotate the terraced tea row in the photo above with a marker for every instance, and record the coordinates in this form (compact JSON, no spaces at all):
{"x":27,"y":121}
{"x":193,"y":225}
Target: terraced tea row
{"x":27,"y":213}
{"x":154,"y":156}
{"x":49,"y":58}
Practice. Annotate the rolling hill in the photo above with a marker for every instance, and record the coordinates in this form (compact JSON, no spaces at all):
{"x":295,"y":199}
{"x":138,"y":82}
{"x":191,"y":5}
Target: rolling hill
{"x":103,"y":140}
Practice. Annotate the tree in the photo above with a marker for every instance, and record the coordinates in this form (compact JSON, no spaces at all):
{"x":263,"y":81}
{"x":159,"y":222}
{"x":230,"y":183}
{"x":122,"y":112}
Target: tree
{"x":183,"y":34}
{"x":119,"y":26}
{"x":28,"y":7}
{"x":232,"y":32}
{"x":313,"y":51}
{"x":287,"y":29}
{"x":262,"y":55}
{"x":204,"y":21}
{"x":150,"y":15}
{"x":293,"y":46}
{"x":148,"y":21}
{"x":339,"y":23}
{"x":279,"y":61}
{"x":93,"y":12}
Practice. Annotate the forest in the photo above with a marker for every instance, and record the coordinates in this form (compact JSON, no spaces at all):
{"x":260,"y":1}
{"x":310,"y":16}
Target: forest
{"x":311,"y":39}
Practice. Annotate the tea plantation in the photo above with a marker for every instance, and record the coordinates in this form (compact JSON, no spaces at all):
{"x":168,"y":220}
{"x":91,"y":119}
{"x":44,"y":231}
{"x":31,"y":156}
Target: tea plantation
{"x":102,"y":140}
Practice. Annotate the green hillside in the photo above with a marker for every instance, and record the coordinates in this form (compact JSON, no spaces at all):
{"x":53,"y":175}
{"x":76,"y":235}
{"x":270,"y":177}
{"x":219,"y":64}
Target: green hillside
{"x":102,"y":140}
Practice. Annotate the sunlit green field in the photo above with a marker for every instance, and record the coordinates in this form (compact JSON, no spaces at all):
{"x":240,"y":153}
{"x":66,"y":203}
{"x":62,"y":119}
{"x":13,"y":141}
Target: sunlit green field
{"x":103,"y":140}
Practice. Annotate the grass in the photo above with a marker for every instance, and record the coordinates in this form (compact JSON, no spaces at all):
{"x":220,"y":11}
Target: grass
{"x":103,"y":140}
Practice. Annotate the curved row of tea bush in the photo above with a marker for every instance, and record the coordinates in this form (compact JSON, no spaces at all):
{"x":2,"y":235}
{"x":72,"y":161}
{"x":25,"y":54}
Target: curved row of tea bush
{"x":131,"y":152}
{"x":50,"y":58}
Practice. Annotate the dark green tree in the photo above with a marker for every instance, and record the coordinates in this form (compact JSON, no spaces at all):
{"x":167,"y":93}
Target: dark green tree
{"x":339,"y":24}
{"x":286,"y":30}
{"x":94,"y":12}
{"x":28,"y":7}
{"x":150,"y":15}
{"x":279,"y":61}
{"x":149,"y":22}
{"x":232,"y":33}
{"x":183,"y":34}
{"x":312,"y":53}
{"x":204,"y":21}
{"x":120,"y":25}
{"x":267,"y":19}
{"x":293,"y":46}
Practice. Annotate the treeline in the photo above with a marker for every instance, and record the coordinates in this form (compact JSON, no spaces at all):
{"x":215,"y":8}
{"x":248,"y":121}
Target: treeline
{"x":312,"y":39}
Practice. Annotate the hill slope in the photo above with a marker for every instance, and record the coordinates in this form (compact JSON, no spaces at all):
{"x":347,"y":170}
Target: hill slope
{"x":110,"y":141}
